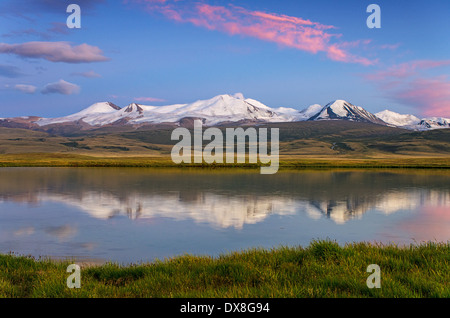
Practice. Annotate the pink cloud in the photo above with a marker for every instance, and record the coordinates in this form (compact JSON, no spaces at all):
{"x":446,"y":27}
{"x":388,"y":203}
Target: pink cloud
{"x":405,"y":70}
{"x":149,"y":99}
{"x":24,"y":88}
{"x":431,"y":224}
{"x":284,"y":30}
{"x":55,"y":51}
{"x":390,"y":46}
{"x":409,"y":84}
{"x":431,"y":95}
{"x":87,"y":74}
{"x":289,"y":19}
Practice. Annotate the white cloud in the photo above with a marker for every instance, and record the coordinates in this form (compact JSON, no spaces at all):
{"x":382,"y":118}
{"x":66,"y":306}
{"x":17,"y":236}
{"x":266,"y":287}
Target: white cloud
{"x":88,"y":74}
{"x":61,"y":87}
{"x":55,"y":51}
{"x":24,"y":88}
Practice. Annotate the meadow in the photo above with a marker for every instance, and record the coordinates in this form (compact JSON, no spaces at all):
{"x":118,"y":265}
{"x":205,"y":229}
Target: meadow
{"x":286,"y":162}
{"x":302,"y":145}
{"x":323,"y":269}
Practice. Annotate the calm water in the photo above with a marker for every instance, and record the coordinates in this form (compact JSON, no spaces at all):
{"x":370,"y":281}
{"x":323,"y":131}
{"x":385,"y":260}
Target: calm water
{"x":133,"y":214}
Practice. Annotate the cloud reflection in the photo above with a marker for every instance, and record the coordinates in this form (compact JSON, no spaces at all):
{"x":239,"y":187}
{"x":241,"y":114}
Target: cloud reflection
{"x":225,"y":211}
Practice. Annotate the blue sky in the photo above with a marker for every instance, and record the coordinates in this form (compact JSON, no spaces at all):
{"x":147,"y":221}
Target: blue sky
{"x":282,"y":53}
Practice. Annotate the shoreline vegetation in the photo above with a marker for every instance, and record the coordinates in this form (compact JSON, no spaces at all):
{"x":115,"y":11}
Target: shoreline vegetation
{"x":323,"y":269}
{"x":73,"y":160}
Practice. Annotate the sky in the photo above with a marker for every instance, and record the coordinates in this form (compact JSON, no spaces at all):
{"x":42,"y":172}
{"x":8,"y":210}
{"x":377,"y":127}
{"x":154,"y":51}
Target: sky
{"x":282,"y":53}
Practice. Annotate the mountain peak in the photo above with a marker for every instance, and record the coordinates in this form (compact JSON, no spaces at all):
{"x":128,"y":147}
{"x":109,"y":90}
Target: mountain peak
{"x":229,"y":108}
{"x":95,"y":110}
{"x":99,"y":108}
{"x":310,"y":111}
{"x":239,"y":96}
{"x":133,"y":107}
{"x":397,"y":119}
{"x":341,"y":104}
{"x":337,"y":102}
{"x":343,"y":110}
{"x":434,"y":123}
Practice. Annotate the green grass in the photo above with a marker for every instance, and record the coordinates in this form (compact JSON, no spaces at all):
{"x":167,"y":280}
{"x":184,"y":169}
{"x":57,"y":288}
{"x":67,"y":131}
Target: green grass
{"x":286,"y":162}
{"x":323,"y":269}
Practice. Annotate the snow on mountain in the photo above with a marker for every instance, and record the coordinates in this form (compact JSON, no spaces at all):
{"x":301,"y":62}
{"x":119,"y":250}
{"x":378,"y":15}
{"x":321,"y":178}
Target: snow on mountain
{"x":340,"y":109}
{"x":290,"y":113}
{"x":222,"y":108}
{"x":218,"y":109}
{"x":433,"y":123}
{"x":310,"y":111}
{"x":233,"y":108}
{"x":397,"y":119}
{"x":87,"y":115}
{"x":99,"y":108}
{"x":122,"y":115}
{"x":413,"y":122}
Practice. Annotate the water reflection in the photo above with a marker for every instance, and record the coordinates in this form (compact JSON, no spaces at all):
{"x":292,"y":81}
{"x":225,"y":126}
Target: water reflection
{"x":390,"y":205}
{"x":224,"y":199}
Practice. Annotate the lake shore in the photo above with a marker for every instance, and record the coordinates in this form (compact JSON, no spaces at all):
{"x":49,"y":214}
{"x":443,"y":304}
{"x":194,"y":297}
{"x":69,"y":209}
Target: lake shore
{"x":288,"y":162}
{"x":323,"y":269}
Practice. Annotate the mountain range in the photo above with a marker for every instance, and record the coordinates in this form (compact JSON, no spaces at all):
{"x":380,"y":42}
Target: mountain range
{"x":221,"y":109}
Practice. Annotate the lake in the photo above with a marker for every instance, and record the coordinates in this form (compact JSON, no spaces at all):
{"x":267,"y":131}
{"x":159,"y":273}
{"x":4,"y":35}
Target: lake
{"x":133,"y":215}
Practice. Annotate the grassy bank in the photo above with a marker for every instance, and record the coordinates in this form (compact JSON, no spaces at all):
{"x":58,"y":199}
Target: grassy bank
{"x":323,"y":269}
{"x":73,"y":160}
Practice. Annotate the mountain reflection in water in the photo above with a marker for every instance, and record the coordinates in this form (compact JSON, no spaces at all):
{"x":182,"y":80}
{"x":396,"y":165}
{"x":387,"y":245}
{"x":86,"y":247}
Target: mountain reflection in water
{"x":224,"y":199}
{"x":233,"y":199}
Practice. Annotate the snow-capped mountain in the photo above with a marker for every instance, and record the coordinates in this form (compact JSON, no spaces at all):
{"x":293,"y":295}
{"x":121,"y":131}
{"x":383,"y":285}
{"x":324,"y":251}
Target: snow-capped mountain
{"x":222,"y":109}
{"x":412,"y":122}
{"x":310,"y":111}
{"x":88,"y":115}
{"x":434,"y":123}
{"x":219,"y":109}
{"x":397,"y":119}
{"x":340,"y":109}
